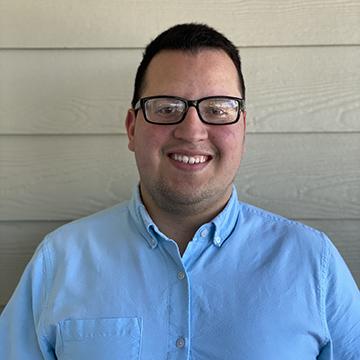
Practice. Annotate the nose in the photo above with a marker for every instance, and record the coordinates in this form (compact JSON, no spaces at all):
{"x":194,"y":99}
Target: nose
{"x":191,"y":129}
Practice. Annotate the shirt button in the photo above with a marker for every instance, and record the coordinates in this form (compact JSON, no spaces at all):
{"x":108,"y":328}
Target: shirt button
{"x":181,"y":275}
{"x":217,"y":240}
{"x":180,"y":342}
{"x":204,"y":233}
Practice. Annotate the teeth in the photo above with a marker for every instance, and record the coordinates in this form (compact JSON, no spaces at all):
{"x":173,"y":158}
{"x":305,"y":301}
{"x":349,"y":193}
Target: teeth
{"x":198,"y":159}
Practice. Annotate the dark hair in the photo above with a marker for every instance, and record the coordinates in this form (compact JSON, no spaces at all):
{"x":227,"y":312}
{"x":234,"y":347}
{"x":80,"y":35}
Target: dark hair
{"x":186,"y":37}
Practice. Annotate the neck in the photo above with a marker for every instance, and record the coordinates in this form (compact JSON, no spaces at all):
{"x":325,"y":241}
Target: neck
{"x":181,"y":229}
{"x":182,"y":225}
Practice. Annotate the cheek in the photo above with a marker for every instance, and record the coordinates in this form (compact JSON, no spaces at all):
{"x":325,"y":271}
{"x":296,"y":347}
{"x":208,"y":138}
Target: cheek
{"x":148,"y":144}
{"x":229,"y":142}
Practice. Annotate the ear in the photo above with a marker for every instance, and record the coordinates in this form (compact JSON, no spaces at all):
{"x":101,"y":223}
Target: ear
{"x":130,"y":128}
{"x":244,"y":119}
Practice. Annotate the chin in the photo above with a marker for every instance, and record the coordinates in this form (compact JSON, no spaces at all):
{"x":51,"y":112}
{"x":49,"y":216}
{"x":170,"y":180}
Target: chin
{"x":192,"y":196}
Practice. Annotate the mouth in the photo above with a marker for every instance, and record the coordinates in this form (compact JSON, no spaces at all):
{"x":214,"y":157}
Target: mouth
{"x":189,"y":159}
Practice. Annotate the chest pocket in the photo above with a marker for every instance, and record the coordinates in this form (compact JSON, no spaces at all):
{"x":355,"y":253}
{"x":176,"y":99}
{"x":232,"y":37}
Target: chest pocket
{"x":95,"y":339}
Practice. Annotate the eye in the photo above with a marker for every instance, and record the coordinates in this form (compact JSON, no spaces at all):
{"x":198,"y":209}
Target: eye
{"x":216,"y":110}
{"x":166,"y":109}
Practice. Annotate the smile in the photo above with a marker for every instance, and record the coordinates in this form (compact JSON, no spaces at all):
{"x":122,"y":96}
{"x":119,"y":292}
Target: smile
{"x":186,"y":159}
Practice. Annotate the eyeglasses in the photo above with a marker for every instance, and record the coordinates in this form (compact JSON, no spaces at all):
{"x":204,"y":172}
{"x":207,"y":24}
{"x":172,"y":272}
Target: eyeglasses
{"x":212,"y":110}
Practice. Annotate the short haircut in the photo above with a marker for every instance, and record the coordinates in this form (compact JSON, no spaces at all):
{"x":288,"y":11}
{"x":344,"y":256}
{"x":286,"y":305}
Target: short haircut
{"x":190,"y":37}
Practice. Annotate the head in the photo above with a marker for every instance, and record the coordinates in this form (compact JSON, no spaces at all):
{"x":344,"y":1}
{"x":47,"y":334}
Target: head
{"x":189,"y":38}
{"x":187,"y":168}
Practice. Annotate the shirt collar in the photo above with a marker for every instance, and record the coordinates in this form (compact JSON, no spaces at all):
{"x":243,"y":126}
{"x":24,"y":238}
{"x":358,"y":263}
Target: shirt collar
{"x":226,"y":220}
{"x":219,"y":229}
{"x":142,"y":218}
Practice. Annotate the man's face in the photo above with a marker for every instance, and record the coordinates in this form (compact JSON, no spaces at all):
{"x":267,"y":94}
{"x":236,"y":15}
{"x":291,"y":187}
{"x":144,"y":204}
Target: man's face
{"x":189,"y":167}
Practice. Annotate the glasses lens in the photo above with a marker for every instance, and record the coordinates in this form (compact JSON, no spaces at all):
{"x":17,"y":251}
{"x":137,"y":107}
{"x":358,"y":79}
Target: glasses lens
{"x":219,"y":110}
{"x":164,"y":110}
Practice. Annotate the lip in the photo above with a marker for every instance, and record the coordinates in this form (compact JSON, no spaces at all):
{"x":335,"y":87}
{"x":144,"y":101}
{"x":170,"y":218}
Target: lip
{"x":196,"y":166}
{"x":189,"y":152}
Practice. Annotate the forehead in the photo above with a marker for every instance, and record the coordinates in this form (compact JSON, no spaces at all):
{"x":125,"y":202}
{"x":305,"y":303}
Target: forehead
{"x":185,"y":73}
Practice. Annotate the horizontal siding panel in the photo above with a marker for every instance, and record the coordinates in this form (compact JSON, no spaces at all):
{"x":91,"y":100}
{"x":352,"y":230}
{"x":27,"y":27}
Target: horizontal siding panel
{"x":114,"y":23}
{"x":65,"y":177}
{"x":46,"y":178}
{"x":19,"y":240}
{"x":65,"y":91}
{"x":89,"y":91}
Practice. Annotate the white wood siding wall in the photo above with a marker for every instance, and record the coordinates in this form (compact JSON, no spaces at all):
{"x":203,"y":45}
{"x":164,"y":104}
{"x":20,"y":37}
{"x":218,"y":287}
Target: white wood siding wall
{"x":66,"y":77}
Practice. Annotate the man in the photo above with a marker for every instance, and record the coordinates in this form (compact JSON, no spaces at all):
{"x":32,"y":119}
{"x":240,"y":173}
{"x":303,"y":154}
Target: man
{"x":183,"y":270}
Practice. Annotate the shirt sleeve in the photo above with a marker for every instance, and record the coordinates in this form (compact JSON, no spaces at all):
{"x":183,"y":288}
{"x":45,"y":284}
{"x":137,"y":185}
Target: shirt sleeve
{"x":20,"y":322}
{"x":342,"y":309}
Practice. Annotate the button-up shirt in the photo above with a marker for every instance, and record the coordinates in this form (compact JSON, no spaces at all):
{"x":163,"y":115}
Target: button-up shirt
{"x":251,"y":285}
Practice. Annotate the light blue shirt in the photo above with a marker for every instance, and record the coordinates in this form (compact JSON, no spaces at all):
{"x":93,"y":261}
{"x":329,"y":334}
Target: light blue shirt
{"x":251,"y":285}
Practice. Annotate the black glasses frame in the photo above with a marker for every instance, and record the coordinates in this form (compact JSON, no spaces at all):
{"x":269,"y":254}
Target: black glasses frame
{"x":195,"y":103}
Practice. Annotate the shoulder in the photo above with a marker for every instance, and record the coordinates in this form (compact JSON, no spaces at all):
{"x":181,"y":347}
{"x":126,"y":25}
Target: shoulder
{"x":260,"y":218}
{"x":280,"y":235}
{"x":81,"y":233}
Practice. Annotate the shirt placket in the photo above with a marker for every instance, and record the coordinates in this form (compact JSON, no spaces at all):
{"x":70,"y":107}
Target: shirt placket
{"x":179,"y":306}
